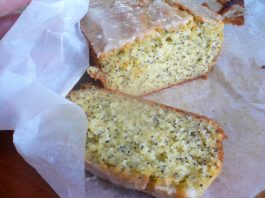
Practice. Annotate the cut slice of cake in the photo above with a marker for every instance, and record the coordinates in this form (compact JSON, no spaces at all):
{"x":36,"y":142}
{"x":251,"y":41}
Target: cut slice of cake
{"x":232,"y":11}
{"x":138,"y":47}
{"x":149,"y":147}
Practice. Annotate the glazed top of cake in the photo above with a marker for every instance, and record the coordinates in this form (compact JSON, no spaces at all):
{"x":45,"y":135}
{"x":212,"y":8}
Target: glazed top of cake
{"x":110,"y":24}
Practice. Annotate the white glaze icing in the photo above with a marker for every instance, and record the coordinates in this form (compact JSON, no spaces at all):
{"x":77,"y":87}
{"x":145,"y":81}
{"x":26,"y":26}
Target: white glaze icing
{"x":112,"y":23}
{"x":206,"y":14}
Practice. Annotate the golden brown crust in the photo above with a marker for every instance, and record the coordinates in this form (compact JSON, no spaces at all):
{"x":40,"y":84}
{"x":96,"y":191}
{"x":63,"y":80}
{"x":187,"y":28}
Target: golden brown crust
{"x":228,"y":4}
{"x":132,"y":180}
{"x":237,"y":18}
{"x":92,"y":55}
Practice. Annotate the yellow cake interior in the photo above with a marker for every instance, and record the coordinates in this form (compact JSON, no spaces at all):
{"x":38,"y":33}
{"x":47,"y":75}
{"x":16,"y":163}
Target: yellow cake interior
{"x":162,"y":58}
{"x":138,"y":137}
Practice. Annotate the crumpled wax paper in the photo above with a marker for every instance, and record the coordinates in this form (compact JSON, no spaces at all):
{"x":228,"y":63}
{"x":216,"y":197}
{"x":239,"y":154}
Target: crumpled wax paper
{"x":50,"y":130}
{"x":41,"y":59}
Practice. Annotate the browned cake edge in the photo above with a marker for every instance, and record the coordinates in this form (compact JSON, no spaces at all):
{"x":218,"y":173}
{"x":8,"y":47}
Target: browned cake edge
{"x":94,"y":60}
{"x":228,"y":5}
{"x":138,"y":181}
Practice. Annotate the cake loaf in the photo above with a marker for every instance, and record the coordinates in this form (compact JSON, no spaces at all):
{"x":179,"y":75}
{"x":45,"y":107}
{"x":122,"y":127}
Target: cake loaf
{"x":138,"y":47}
{"x":149,"y":147}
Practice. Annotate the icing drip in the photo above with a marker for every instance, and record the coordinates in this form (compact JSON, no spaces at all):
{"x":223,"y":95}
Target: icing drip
{"x":113,"y":23}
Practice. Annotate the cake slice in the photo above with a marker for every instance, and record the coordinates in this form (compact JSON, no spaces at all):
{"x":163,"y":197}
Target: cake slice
{"x":138,"y":47}
{"x":149,"y":147}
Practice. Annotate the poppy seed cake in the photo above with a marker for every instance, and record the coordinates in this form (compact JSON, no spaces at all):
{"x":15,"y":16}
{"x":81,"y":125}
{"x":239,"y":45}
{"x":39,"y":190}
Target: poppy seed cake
{"x":138,"y":47}
{"x":149,"y":147}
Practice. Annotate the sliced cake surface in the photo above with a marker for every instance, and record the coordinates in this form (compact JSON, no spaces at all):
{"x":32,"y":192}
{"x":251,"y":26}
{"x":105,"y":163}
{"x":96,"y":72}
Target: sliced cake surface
{"x":138,"y":47}
{"x":149,"y":147}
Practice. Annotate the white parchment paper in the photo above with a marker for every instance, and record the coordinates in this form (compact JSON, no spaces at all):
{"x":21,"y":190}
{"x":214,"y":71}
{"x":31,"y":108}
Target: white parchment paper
{"x":41,"y":59}
{"x":45,"y":54}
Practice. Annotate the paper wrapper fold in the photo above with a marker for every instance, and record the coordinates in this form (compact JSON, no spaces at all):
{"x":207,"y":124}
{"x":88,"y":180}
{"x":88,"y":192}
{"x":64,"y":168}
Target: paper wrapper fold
{"x":41,"y":59}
